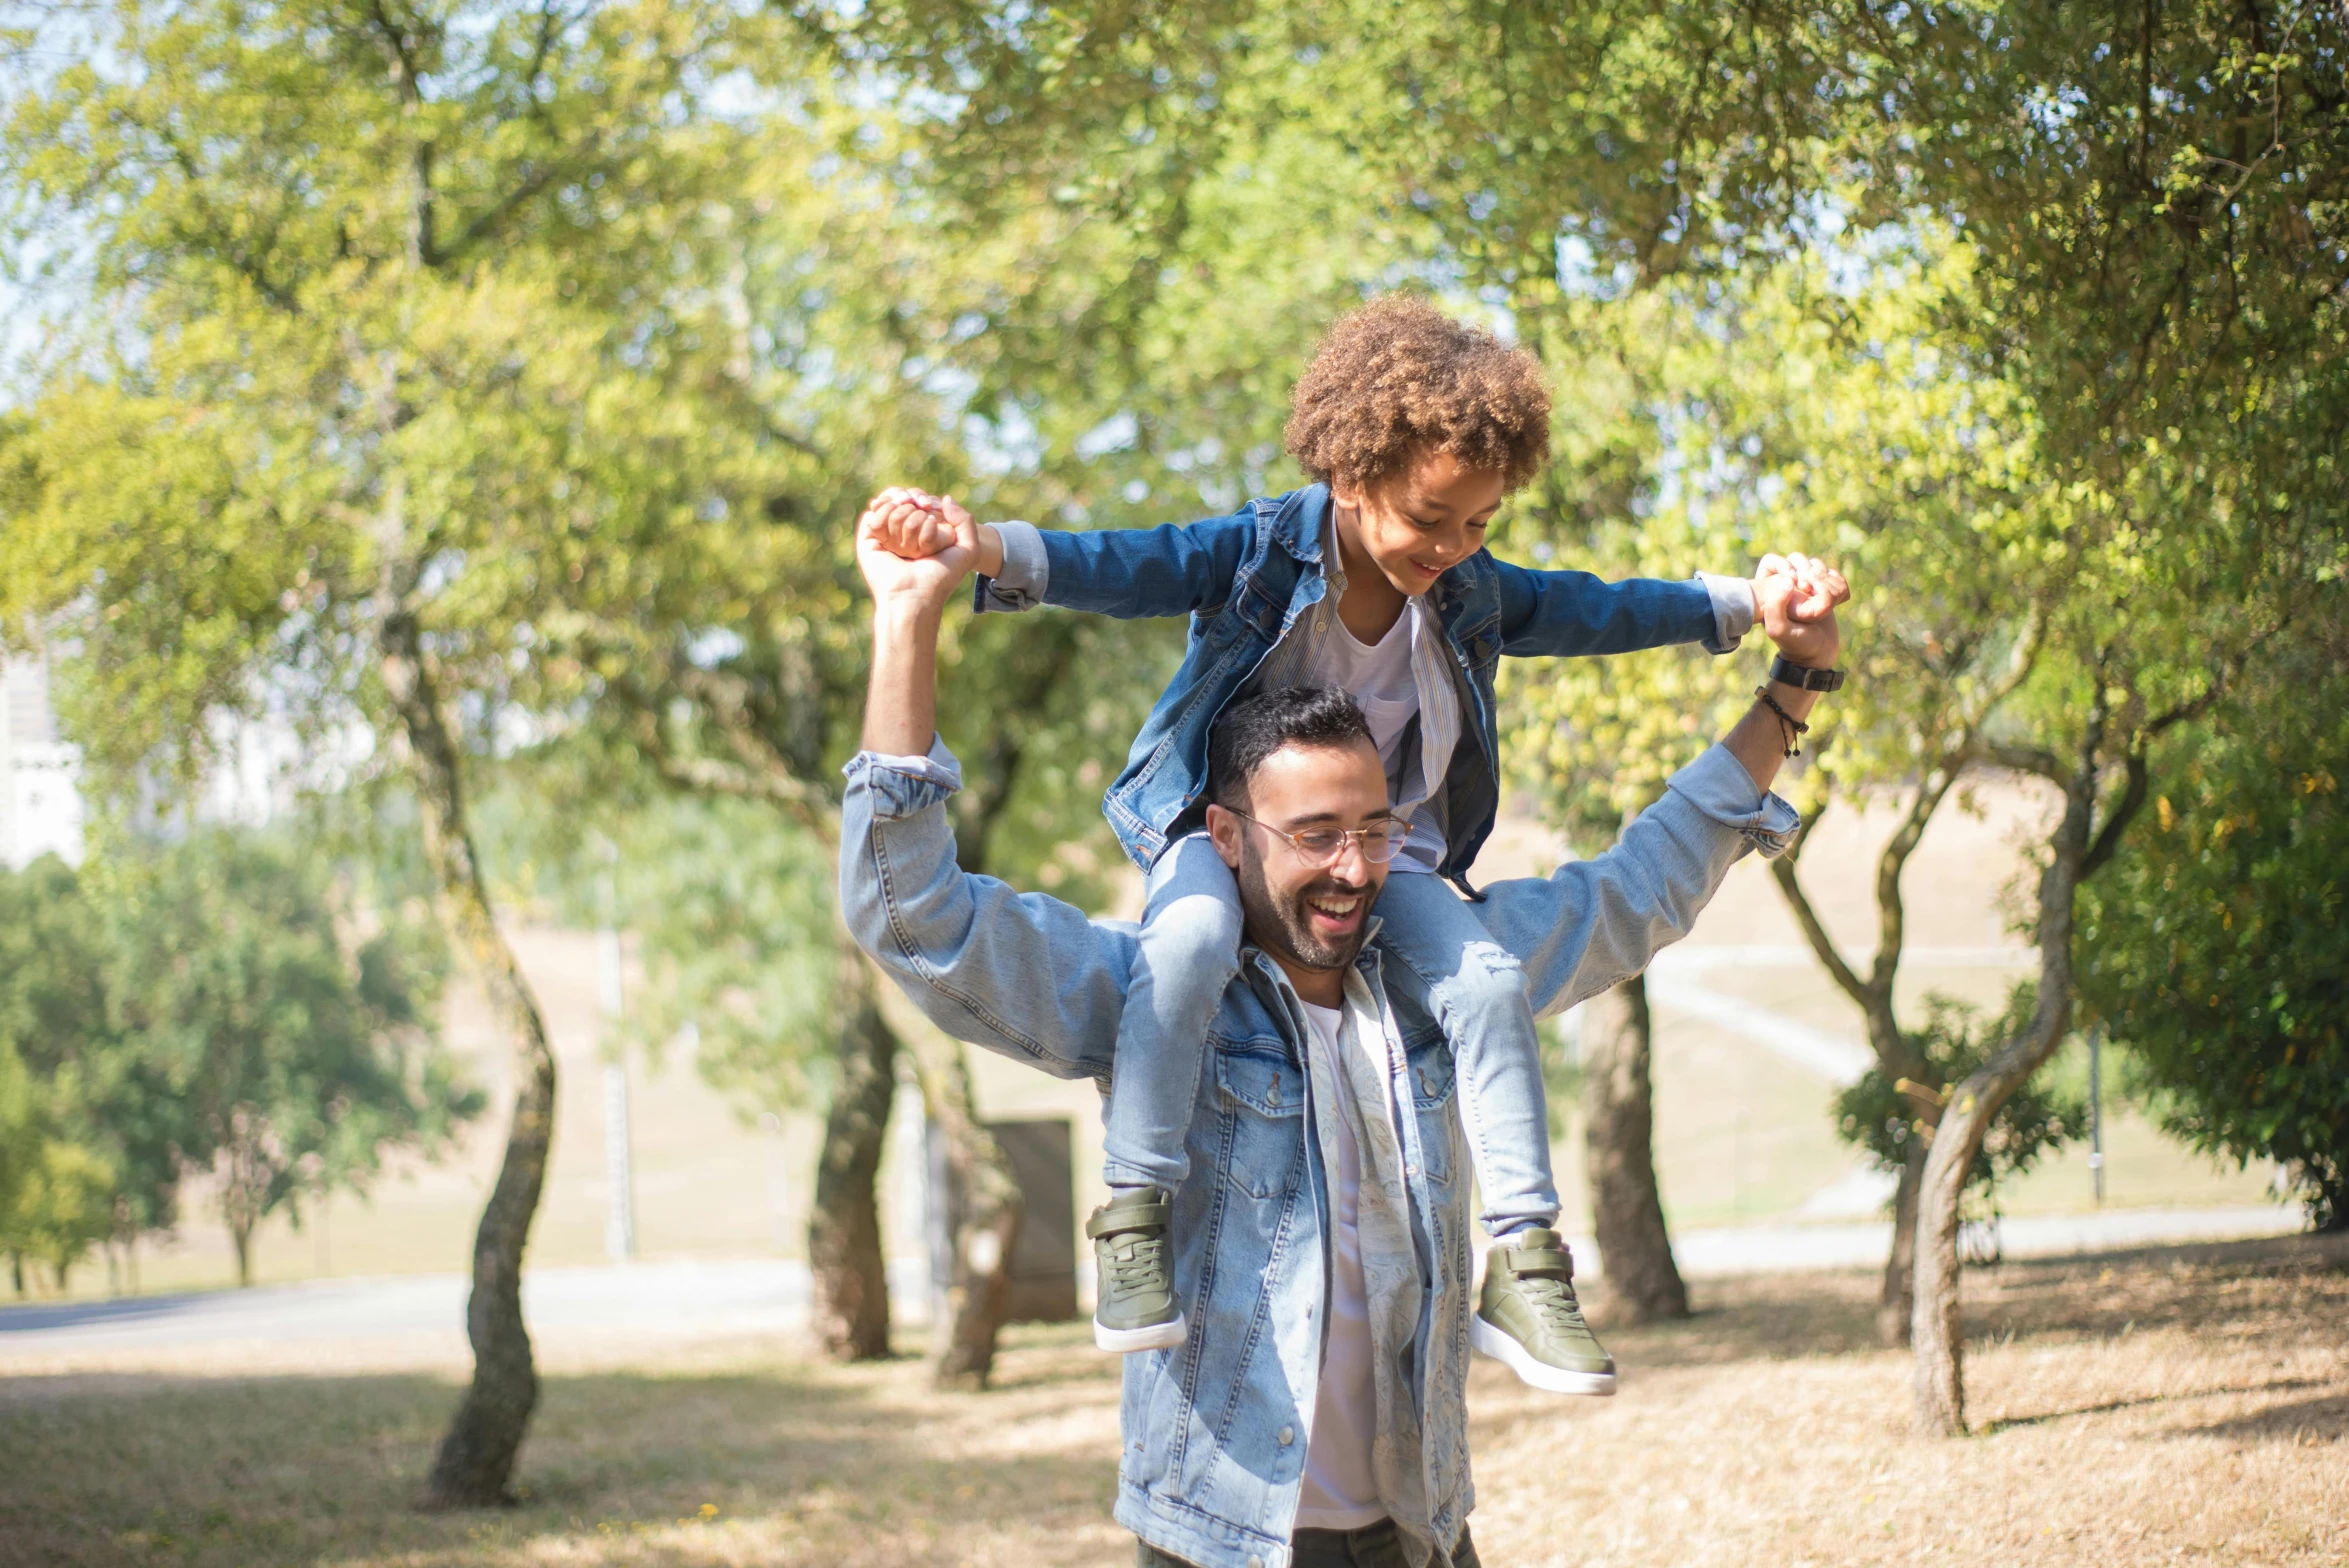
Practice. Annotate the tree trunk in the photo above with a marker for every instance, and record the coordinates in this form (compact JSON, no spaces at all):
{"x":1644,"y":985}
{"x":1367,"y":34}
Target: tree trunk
{"x":1937,"y":1335}
{"x":1896,"y":1301}
{"x":985,"y":1217}
{"x":1937,"y":1380}
{"x":474,"y":1465}
{"x":240,"y":1237}
{"x":1619,"y":1155}
{"x":844,"y":1232}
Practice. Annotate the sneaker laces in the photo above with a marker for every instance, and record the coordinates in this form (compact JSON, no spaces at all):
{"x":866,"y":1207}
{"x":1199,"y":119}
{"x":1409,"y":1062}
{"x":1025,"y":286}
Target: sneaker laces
{"x":1137,"y":1263}
{"x":1552,"y":1297}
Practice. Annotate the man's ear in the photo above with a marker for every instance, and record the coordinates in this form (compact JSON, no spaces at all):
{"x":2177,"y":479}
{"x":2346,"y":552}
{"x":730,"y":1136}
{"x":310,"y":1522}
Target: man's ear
{"x":1224,"y":829}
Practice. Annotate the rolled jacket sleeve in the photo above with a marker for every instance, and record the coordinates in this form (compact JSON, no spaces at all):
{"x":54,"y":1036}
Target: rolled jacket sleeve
{"x":1027,"y":572}
{"x":1594,"y":922}
{"x":1022,"y":974}
{"x":1733,"y":610}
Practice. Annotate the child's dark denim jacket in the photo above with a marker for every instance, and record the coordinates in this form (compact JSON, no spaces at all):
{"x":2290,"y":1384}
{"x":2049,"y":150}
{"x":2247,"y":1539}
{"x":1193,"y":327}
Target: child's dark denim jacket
{"x":1246,"y":579}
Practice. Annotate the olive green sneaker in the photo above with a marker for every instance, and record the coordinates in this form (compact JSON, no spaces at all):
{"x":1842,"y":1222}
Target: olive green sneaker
{"x":1527,"y":1317}
{"x":1133,"y":1279}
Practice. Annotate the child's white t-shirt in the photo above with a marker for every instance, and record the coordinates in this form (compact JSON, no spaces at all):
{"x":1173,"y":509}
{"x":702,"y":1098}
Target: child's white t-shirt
{"x":1406,"y":675}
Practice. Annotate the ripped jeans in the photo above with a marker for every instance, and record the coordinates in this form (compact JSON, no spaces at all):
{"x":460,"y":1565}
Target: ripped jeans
{"x":1189,"y":952}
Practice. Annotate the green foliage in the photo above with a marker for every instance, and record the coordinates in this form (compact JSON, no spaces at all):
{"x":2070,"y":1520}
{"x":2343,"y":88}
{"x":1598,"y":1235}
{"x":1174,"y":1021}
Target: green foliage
{"x":2217,"y":946}
{"x":299,"y":1054}
{"x":1882,"y":1115}
{"x":90,"y":1130}
{"x":212,"y":1005}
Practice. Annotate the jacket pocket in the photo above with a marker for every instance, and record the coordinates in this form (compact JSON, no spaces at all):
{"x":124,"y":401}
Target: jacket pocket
{"x":1262,"y":1089}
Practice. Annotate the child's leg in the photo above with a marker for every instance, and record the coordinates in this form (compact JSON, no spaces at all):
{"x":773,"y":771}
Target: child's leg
{"x":1479,"y":997}
{"x":1190,"y":949}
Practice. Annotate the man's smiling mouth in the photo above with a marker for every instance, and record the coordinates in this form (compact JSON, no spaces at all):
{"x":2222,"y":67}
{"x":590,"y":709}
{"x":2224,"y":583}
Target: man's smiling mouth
{"x":1337,"y":909}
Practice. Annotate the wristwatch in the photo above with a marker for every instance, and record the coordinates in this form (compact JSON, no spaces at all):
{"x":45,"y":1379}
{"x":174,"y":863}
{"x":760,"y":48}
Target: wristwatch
{"x":1788,"y":673}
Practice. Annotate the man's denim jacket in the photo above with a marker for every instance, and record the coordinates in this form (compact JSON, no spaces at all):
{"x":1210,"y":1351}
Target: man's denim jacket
{"x":1245,"y":579}
{"x":1215,"y":1431}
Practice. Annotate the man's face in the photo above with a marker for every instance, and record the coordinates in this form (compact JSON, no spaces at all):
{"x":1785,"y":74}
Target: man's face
{"x":1310,"y":917}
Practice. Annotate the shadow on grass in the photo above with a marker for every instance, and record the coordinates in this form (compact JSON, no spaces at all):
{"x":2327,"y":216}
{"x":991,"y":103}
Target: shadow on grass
{"x":861,"y":1465}
{"x":1792,"y":1316}
{"x":2173,"y":1397}
{"x":2324,"y":1420}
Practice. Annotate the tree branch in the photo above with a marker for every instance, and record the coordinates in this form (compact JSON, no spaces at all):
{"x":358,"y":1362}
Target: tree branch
{"x":2035,"y":760}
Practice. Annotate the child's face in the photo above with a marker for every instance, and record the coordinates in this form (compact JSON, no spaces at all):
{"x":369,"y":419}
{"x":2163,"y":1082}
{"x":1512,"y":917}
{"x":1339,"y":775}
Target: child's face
{"x":1419,"y":525}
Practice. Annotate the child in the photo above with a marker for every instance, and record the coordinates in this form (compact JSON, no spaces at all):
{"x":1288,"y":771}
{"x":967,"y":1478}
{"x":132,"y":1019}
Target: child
{"x":1375,"y":580}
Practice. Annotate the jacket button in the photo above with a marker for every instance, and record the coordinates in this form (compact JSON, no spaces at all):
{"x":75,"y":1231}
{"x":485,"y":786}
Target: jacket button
{"x":1288,"y":1435}
{"x":1255,"y":1561}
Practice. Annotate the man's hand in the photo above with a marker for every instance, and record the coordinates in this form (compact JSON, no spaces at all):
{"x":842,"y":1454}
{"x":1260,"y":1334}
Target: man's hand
{"x":1796,"y":596}
{"x":914,"y":549}
{"x":916,"y":524}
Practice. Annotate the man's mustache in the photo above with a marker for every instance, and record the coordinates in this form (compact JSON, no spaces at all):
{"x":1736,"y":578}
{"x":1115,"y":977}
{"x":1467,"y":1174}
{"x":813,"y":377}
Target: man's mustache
{"x":1324,"y":886}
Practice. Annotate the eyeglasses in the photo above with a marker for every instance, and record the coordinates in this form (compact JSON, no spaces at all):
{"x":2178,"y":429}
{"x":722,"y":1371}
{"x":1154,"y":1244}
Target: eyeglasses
{"x":1320,"y":846}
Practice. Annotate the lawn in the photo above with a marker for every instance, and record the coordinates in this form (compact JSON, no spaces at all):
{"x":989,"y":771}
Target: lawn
{"x":2185,"y":1405}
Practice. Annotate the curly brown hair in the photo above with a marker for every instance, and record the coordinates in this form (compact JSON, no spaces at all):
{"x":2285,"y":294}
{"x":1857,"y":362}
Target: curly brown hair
{"x":1398,"y":379}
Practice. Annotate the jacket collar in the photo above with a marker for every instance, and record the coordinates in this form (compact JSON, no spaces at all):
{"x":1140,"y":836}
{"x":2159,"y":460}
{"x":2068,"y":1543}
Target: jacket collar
{"x":1301,"y":522}
{"x":1276,"y":979}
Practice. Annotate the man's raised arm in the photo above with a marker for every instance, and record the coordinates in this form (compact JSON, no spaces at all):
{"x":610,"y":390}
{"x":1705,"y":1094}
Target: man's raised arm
{"x":1594,"y":922}
{"x":1022,"y":974}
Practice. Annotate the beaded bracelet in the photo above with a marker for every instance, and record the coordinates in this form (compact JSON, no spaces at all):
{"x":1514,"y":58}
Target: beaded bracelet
{"x":1788,"y":725}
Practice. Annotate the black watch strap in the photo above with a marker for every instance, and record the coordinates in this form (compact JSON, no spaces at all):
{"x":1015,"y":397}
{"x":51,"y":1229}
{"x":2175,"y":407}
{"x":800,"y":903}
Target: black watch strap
{"x":1787,"y":673}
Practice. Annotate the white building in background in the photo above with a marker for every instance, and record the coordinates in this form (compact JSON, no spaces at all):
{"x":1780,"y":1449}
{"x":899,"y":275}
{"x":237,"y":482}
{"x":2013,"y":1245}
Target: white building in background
{"x":40,"y":776}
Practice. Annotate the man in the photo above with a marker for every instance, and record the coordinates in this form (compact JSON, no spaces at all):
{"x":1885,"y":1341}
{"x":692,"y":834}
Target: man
{"x":1316,"y":1415}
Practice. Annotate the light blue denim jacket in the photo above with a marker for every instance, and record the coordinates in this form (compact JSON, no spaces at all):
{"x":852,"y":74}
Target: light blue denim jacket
{"x":1245,"y":579}
{"x":1215,"y":1432}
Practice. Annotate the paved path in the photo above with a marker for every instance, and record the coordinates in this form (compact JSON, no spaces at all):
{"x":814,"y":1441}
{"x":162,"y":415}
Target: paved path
{"x":681,"y":1299}
{"x":695,"y":1299}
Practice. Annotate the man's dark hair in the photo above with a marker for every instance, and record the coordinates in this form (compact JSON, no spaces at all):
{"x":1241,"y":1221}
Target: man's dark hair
{"x":1253,"y":729}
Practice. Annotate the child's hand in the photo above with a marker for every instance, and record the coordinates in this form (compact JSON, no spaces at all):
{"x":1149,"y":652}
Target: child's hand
{"x":891,"y":536}
{"x":1796,"y":596}
{"x":910,"y":524}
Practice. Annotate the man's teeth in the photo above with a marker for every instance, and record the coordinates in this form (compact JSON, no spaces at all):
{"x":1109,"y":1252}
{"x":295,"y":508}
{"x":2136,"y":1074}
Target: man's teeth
{"x":1335,"y":908}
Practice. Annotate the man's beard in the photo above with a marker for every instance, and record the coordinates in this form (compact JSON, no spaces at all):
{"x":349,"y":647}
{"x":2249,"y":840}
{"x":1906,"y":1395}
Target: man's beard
{"x":1290,"y":925}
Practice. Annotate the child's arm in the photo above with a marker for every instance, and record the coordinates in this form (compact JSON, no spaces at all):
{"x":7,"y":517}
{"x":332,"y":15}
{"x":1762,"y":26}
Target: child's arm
{"x":1566,"y":614}
{"x":1128,"y":572}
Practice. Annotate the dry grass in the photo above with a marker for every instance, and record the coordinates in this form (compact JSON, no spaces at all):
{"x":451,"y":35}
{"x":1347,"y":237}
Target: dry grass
{"x":2190,"y":1405}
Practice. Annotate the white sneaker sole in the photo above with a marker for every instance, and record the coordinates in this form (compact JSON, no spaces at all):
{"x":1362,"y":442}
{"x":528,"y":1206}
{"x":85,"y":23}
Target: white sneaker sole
{"x":1492,"y":1342}
{"x":1125,"y":1341}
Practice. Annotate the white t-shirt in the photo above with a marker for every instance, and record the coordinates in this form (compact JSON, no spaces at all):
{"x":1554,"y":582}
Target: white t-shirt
{"x":1386,"y":679}
{"x":1380,"y":677}
{"x":1339,"y":1491}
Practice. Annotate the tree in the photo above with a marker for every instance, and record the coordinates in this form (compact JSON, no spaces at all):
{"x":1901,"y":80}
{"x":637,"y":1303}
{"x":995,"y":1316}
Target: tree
{"x":90,"y":1131}
{"x":406,"y":355}
{"x":300,"y":1057}
{"x":2214,"y":947}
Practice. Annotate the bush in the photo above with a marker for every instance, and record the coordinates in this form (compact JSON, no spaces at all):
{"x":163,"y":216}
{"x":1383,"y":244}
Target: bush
{"x":1884,"y":1117}
{"x":2217,"y":943}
